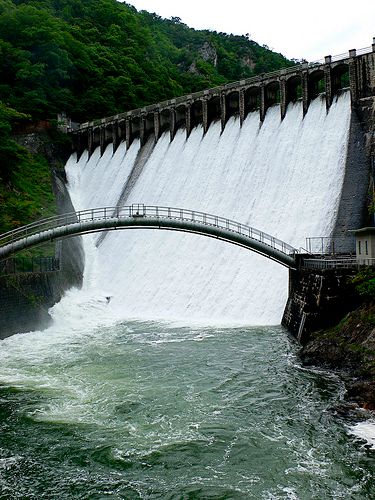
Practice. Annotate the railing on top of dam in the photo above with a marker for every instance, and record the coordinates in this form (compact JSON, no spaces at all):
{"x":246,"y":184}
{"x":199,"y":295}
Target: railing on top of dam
{"x":352,"y":70}
{"x":138,"y":215}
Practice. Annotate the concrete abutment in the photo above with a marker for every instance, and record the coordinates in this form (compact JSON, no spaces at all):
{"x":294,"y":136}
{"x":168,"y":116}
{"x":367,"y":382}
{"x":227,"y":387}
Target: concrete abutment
{"x":318,"y":299}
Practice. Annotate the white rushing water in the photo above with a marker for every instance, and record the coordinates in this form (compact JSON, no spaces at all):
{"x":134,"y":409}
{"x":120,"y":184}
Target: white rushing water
{"x":283,"y":177}
{"x":365,"y":431}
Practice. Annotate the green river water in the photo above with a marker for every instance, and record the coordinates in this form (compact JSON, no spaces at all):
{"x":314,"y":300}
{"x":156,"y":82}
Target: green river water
{"x":150,"y":410}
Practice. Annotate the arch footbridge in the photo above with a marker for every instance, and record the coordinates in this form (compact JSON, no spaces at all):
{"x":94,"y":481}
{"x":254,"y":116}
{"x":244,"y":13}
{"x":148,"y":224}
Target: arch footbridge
{"x":139,"y":216}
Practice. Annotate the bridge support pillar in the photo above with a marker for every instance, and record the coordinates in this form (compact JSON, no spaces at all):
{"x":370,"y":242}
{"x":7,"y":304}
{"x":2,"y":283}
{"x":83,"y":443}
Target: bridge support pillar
{"x":188,"y":120}
{"x":172,"y":124}
{"x":90,"y":142}
{"x":205,"y":115}
{"x":142,"y":130}
{"x":362,"y":86}
{"x":305,"y":92}
{"x":262,"y":103}
{"x":128,"y":133}
{"x":283,"y":98}
{"x":157,"y":125}
{"x":116,"y":135}
{"x":353,"y":77}
{"x":241,"y":104}
{"x":102,"y":139}
{"x":223,"y":110}
{"x":328,"y":81}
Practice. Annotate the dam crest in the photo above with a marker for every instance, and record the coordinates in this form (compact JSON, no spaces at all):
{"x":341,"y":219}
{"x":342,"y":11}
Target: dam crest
{"x":355,"y":69}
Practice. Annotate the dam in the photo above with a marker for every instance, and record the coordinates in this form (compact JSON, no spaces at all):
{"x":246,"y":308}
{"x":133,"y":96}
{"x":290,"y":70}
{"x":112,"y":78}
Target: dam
{"x":282,"y":152}
{"x":243,"y":151}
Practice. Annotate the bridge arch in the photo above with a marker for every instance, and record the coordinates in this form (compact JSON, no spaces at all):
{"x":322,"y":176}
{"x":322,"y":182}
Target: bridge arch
{"x":252,"y":99}
{"x":151,"y":217}
{"x":316,"y":83}
{"x":148,"y":126}
{"x":232,"y":103}
{"x":196,"y":113}
{"x":293,"y":88}
{"x":165,"y":119}
{"x":340,"y":77}
{"x":180,"y":115}
{"x":272,"y":94}
{"x":213,"y":109}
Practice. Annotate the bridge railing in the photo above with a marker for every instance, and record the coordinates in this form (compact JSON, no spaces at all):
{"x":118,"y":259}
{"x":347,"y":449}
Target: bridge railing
{"x":138,"y":211}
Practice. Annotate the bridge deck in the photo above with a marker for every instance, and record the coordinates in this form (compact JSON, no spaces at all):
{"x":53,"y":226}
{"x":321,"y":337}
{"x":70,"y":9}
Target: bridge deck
{"x":142,"y":216}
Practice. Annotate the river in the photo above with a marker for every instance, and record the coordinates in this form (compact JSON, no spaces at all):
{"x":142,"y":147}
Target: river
{"x":155,"y":410}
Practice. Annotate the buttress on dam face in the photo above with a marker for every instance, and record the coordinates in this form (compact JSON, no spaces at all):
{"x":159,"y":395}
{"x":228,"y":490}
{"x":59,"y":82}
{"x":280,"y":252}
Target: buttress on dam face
{"x":283,"y":177}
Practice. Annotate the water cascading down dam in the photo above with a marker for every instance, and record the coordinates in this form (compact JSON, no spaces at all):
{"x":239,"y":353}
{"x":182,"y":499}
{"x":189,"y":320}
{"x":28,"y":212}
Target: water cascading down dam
{"x":280,"y":168}
{"x":253,"y":174}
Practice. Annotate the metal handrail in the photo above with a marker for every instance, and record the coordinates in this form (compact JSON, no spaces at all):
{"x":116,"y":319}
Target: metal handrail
{"x":227,"y":86}
{"x":341,"y":263}
{"x":149,"y":211}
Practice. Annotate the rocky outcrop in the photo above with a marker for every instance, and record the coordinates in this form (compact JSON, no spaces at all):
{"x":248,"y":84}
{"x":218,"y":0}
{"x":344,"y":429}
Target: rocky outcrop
{"x":25,"y":299}
{"x":208,"y":53}
{"x":348,"y":348}
{"x":248,"y":62}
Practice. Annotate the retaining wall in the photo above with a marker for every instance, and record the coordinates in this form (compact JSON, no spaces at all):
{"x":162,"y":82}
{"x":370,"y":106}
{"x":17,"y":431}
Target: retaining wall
{"x":318,"y":299}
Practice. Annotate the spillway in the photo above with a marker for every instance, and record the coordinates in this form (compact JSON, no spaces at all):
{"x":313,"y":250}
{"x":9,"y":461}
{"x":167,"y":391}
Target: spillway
{"x":283,"y":177}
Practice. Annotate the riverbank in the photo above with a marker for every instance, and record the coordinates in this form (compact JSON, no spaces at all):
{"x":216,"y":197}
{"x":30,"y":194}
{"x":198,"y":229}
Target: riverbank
{"x":348,"y":348}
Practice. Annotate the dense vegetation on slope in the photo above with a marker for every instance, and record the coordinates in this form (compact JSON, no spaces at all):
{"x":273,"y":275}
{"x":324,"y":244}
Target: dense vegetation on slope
{"x":25,"y":192}
{"x":94,"y":58}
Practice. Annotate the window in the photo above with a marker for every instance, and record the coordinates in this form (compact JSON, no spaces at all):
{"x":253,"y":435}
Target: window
{"x":359,"y":247}
{"x":366,"y":246}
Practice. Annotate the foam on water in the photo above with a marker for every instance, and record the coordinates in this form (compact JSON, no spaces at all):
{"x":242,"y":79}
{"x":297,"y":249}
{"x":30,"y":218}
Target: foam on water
{"x":365,"y":431}
{"x":283,"y":177}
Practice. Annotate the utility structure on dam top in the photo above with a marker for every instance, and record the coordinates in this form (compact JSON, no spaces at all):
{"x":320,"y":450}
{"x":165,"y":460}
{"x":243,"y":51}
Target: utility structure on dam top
{"x":355,"y":69}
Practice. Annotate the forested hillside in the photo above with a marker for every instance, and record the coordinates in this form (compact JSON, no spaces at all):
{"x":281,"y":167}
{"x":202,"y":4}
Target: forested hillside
{"x":94,"y":58}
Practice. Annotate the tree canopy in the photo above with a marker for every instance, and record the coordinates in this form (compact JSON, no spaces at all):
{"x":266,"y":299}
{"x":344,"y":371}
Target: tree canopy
{"x":93,"y":58}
